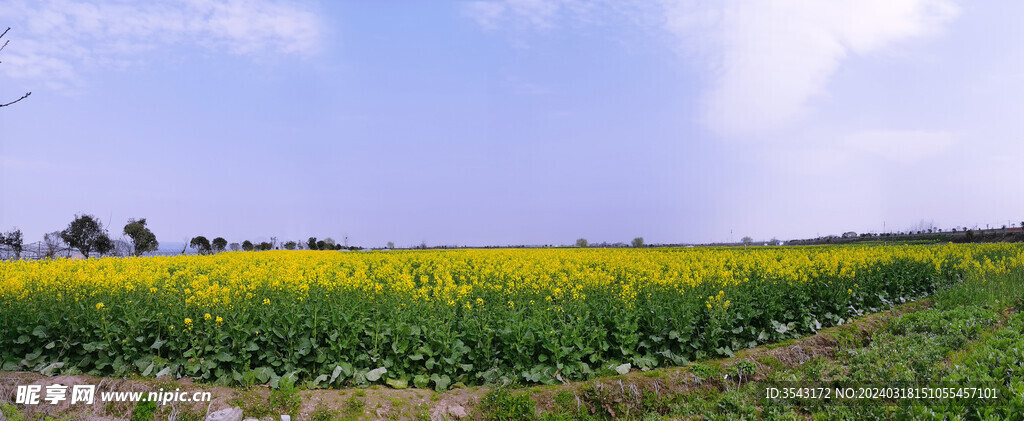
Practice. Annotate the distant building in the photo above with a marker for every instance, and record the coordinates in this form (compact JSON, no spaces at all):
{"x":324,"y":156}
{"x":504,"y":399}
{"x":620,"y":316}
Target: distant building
{"x":849,"y":234}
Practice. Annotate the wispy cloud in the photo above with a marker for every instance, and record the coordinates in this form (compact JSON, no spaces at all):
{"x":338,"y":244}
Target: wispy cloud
{"x":768,"y":60}
{"x":765,"y":61}
{"x":57,"y":39}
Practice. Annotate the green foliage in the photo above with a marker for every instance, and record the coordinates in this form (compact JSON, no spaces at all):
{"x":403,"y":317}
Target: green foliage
{"x":201,"y":244}
{"x":253,"y":405}
{"x":339,"y":338}
{"x":144,"y":411}
{"x":702,"y":371}
{"x":501,"y":405}
{"x":83,"y":232}
{"x":286,"y":398}
{"x":143,"y":239}
{"x":354,"y":405}
{"x":219,"y":244}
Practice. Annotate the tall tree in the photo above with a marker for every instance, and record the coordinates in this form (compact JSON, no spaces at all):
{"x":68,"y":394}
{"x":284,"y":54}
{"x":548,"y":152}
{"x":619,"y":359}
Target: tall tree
{"x":103,"y":244}
{"x":234,"y":246}
{"x":143,"y":240}
{"x":290,"y":245}
{"x":201,"y":244}
{"x":311,"y":243}
{"x":14,"y":241}
{"x":219,"y":244}
{"x":581,"y":242}
{"x":52,"y":244}
{"x":638,"y":242}
{"x":82,"y":233}
{"x":247,"y":245}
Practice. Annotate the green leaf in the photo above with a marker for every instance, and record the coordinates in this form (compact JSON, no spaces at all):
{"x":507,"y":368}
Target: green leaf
{"x":264,"y":374}
{"x":441,"y":382}
{"x":397,"y":383}
{"x":157,"y":344}
{"x":39,"y":331}
{"x":167,"y":371}
{"x":421,"y":381}
{"x":50,"y":369}
{"x":335,"y":374}
{"x":374,"y":375}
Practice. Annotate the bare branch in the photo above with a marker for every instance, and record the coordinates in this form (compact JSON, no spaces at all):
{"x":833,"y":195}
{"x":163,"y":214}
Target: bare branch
{"x":1,"y":49}
{"x":19,"y":99}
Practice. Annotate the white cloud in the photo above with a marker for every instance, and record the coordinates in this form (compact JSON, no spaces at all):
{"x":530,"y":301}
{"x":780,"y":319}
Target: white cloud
{"x":54,"y":40}
{"x":769,"y":59}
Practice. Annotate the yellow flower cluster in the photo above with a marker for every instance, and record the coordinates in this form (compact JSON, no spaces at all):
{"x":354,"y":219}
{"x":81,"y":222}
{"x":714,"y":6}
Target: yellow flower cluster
{"x":461,"y":278}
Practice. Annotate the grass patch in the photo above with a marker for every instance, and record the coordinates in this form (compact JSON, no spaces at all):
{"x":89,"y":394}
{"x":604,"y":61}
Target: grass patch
{"x":500,"y":404}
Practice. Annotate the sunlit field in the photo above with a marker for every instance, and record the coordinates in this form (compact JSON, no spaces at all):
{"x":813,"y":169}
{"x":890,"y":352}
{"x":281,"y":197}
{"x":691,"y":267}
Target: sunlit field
{"x":437,"y":318}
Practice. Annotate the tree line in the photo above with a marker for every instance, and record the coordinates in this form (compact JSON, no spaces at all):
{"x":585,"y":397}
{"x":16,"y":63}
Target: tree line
{"x":89,"y":236}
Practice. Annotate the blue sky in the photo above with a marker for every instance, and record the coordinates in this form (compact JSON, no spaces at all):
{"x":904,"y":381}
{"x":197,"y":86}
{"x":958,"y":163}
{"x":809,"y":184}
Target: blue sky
{"x":512,"y":121}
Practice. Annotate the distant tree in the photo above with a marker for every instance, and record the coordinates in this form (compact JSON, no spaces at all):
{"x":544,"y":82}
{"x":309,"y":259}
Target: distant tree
{"x":264,"y":246}
{"x":219,"y":244}
{"x":234,"y":246}
{"x":321,"y":245}
{"x":247,"y":245}
{"x":143,"y":240}
{"x":330,"y":243}
{"x":103,"y":244}
{"x":290,"y":245}
{"x":581,"y":242}
{"x":747,"y":241}
{"x":82,"y":233}
{"x":969,"y":236}
{"x":52,"y":244}
{"x":391,"y":245}
{"x":638,"y":242}
{"x":311,"y":243}
{"x":14,"y":241}
{"x":1,"y":49}
{"x":201,"y":244}
{"x":423,"y":245}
